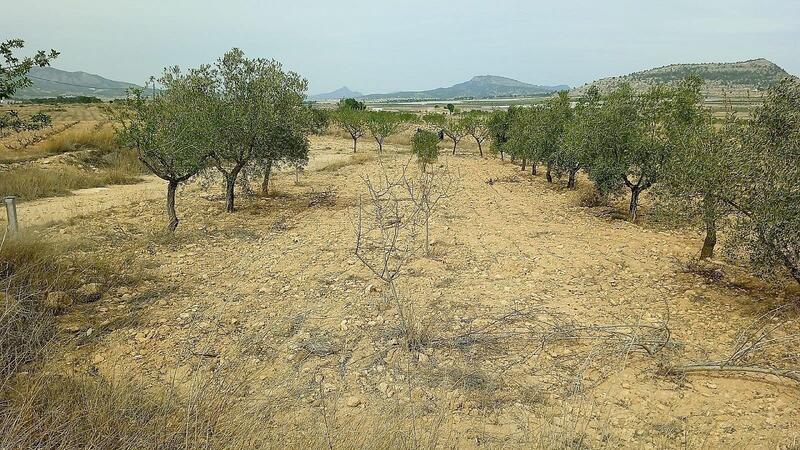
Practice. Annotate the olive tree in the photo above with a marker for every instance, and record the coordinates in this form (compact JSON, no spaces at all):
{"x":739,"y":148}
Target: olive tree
{"x":253,"y":97}
{"x":766,"y":191}
{"x":170,"y":131}
{"x":580,"y":134}
{"x":521,"y":136}
{"x":549,"y":130}
{"x":636,"y":137}
{"x":499,"y":123}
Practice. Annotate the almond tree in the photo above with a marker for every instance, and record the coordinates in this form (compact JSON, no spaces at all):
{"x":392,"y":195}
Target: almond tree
{"x":476,"y":125}
{"x":455,"y":129}
{"x":351,"y":120}
{"x":382,"y":124}
{"x":170,"y":131}
{"x":13,"y":76}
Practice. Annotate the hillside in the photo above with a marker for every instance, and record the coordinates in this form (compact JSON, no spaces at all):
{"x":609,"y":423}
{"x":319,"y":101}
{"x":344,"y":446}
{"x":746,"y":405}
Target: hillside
{"x":52,"y":82}
{"x":342,"y":92}
{"x":737,"y":78}
{"x":485,"y":86}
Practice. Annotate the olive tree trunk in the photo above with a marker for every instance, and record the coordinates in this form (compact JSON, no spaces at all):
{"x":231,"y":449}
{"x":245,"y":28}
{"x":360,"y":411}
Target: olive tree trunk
{"x":710,"y":219}
{"x":267,"y":174}
{"x":634,"y":206}
{"x":172,"y":187}
{"x":230,"y":186}
{"x":573,"y":174}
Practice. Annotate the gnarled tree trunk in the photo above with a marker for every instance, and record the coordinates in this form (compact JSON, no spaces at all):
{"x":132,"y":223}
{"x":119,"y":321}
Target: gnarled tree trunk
{"x":172,"y":187}
{"x":573,"y":174}
{"x":634,"y":206}
{"x":267,"y":174}
{"x":549,"y":174}
{"x":710,"y":219}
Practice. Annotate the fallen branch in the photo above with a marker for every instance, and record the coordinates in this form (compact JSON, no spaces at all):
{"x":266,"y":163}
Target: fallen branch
{"x":790,"y":374}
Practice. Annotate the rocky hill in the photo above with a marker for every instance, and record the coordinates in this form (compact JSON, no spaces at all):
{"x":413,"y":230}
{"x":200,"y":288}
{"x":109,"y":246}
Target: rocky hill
{"x":736,"y":79}
{"x":342,"y":92}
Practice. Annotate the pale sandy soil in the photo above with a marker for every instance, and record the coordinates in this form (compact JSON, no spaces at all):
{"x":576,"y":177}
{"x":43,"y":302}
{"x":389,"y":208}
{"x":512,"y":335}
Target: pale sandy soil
{"x":274,"y":296}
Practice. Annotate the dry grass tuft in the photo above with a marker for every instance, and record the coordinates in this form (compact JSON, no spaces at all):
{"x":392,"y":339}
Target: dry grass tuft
{"x":32,"y":182}
{"x":355,"y":159}
{"x":51,"y":411}
{"x":72,"y":140}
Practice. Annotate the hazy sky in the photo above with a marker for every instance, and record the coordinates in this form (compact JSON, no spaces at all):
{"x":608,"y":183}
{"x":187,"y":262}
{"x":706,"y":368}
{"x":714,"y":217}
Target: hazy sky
{"x":387,"y":45}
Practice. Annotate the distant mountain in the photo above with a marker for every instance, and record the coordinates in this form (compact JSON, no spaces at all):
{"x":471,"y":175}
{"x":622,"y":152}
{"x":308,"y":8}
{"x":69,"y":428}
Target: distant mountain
{"x":737,"y":78}
{"x":342,"y":92}
{"x":485,"y":86}
{"x":52,"y":82}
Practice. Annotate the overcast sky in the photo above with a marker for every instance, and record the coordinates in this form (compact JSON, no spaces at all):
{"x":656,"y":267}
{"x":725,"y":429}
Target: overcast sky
{"x":389,"y":45}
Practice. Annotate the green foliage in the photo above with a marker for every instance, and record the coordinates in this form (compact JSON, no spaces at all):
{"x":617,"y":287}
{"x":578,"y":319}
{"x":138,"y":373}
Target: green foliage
{"x":171,"y":131}
{"x":382,"y":124}
{"x":13,"y":76}
{"x":424,"y":144}
{"x":351,"y":103}
{"x":476,"y":124}
{"x":451,"y":107}
{"x":499,"y":124}
{"x":579,"y":138}
{"x":764,"y":189}
{"x":319,"y":119}
{"x":12,"y":120}
{"x":14,"y":70}
{"x":434,"y":121}
{"x":638,"y":136}
{"x":454,"y":128}
{"x":254,"y":100}
{"x":353,"y":121}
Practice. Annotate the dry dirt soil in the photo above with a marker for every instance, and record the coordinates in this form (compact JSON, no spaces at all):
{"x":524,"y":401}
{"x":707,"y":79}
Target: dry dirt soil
{"x":543,"y":323}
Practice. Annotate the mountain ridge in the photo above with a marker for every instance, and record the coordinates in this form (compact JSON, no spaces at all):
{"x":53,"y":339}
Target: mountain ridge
{"x":479,"y":86}
{"x":52,"y":82}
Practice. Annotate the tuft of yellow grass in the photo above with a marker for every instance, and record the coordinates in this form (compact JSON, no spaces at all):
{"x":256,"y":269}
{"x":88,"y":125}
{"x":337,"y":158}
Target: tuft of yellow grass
{"x":104,"y":138}
{"x":32,"y":181}
{"x":355,"y":159}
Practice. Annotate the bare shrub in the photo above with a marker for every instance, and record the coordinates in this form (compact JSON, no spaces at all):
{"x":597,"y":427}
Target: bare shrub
{"x":386,"y":232}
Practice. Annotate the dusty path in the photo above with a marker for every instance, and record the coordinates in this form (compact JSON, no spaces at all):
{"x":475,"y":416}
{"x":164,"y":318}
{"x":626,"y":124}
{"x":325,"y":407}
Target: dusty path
{"x":88,"y":202}
{"x":95,"y":200}
{"x":274,"y":291}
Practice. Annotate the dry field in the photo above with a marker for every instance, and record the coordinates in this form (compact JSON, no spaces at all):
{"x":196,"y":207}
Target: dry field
{"x":541,"y":323}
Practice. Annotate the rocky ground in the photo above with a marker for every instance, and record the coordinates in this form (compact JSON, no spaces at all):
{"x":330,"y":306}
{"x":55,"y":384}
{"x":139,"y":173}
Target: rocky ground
{"x":540,"y":322}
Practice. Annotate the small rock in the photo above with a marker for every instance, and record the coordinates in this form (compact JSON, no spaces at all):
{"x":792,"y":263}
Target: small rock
{"x":353,"y":401}
{"x":97,"y":359}
{"x":57,"y":301}
{"x":89,"y":293}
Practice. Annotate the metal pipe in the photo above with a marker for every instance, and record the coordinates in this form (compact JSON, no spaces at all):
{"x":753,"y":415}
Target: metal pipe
{"x":11,"y":212}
